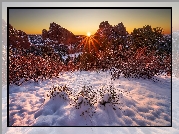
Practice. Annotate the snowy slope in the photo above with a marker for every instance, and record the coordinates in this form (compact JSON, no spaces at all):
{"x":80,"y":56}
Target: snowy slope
{"x":144,"y":102}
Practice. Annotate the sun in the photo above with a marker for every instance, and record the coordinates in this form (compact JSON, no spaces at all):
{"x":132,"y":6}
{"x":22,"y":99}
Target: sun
{"x":88,"y":34}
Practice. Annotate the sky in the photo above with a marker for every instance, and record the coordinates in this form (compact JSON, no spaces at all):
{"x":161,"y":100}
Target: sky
{"x":82,"y":21}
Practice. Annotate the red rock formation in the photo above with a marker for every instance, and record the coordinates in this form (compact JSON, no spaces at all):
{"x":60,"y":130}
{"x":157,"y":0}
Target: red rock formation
{"x":44,"y":34}
{"x":59,"y":34}
{"x":18,"y":38}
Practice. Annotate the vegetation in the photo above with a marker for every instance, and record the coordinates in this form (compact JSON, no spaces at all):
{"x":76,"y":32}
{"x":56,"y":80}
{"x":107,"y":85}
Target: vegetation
{"x":143,"y":54}
{"x":86,"y":99}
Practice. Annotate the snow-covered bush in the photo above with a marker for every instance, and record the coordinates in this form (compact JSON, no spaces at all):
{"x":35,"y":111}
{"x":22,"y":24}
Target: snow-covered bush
{"x":110,"y":95}
{"x":85,"y":97}
{"x":62,"y":91}
{"x":87,"y":100}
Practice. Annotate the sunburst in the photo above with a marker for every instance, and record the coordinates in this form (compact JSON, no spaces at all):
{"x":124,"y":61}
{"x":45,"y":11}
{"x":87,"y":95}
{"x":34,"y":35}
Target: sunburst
{"x":89,"y":43}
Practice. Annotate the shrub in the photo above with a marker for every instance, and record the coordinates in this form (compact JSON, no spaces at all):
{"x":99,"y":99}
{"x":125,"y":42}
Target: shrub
{"x":110,"y":95}
{"x":86,"y":99}
{"x":147,"y":36}
{"x":62,"y":91}
{"x":31,"y":67}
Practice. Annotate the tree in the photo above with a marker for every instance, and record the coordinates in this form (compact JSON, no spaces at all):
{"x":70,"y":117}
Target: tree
{"x":147,"y":37}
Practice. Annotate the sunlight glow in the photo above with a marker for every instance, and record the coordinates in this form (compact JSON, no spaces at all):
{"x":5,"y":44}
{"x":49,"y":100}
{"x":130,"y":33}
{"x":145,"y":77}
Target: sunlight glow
{"x":89,"y":43}
{"x":88,"y":34}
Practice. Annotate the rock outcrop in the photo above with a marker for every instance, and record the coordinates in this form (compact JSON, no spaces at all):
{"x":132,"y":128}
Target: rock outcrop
{"x":44,"y":34}
{"x":18,"y":38}
{"x":59,"y":34}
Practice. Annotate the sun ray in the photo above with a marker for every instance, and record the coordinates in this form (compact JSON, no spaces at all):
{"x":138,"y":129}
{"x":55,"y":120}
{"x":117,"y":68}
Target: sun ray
{"x":89,"y":43}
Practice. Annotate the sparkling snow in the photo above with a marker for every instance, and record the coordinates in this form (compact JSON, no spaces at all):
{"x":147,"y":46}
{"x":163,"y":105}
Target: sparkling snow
{"x":148,"y":103}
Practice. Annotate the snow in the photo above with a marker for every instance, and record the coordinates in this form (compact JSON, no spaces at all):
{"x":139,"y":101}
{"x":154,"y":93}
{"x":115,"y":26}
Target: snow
{"x":75,"y":54}
{"x":96,"y":130}
{"x":65,"y":57}
{"x":71,"y":55}
{"x":143,"y":102}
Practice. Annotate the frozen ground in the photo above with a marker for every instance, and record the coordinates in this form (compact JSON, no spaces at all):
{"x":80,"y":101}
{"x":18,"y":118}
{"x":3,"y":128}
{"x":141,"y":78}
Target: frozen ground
{"x":96,"y":130}
{"x":146,"y":103}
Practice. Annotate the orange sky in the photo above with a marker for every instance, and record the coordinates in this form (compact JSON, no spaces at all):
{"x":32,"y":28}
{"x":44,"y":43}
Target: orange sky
{"x":81,"y":21}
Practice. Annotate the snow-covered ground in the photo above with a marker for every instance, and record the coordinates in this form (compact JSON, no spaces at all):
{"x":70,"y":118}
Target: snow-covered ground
{"x":115,"y":130}
{"x":144,"y":102}
{"x":97,"y":130}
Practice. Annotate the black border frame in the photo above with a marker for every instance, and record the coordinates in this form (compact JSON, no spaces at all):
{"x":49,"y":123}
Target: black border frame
{"x":78,"y":8}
